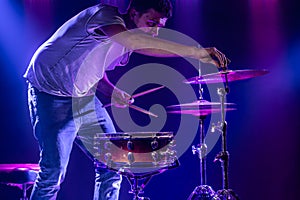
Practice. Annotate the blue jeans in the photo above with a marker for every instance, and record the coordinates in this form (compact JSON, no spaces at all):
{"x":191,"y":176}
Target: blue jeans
{"x":58,"y":122}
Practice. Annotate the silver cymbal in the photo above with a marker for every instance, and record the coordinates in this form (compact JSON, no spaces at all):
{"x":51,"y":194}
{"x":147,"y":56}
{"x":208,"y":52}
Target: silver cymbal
{"x":199,"y":112}
{"x":199,"y":103}
{"x":219,"y":77}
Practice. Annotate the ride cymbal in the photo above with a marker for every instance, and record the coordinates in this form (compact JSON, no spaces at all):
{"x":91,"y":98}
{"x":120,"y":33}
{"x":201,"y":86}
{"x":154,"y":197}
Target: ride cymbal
{"x":219,"y":77}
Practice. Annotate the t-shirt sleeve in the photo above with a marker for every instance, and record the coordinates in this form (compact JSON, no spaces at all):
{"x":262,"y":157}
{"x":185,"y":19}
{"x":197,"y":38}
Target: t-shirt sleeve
{"x":106,"y":15}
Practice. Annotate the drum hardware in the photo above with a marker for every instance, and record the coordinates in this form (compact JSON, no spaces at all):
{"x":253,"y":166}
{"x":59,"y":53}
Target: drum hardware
{"x":135,"y":178}
{"x":200,"y":108}
{"x":136,"y":155}
{"x":154,"y":144}
{"x":203,"y":191}
{"x":155,"y":157}
{"x":159,"y":159}
{"x":108,"y":157}
{"x":130,"y":145}
{"x":225,"y":193}
{"x":130,"y":158}
{"x":227,"y":76}
{"x":134,"y":149}
{"x":205,"y":108}
{"x":107,"y":145}
{"x":136,"y":190}
{"x":223,"y":76}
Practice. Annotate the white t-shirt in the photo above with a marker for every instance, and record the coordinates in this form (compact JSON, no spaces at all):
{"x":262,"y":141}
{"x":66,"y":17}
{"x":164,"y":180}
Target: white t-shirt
{"x":74,"y":59}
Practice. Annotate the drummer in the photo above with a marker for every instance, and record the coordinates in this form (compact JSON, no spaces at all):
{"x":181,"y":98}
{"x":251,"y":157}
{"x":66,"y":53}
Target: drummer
{"x":65,"y":70}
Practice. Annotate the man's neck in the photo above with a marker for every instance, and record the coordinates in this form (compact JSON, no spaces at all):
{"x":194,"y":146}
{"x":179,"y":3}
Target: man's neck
{"x":128,"y":22}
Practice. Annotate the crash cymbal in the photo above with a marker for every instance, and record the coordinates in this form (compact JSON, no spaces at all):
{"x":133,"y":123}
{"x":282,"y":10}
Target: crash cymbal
{"x":199,"y":112}
{"x":219,"y":77}
{"x":199,"y":103}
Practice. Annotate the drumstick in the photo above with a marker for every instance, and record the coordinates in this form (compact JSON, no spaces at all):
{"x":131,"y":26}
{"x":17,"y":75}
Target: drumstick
{"x":139,"y":94}
{"x":147,"y":91}
{"x":142,"y":110}
{"x":136,"y":108}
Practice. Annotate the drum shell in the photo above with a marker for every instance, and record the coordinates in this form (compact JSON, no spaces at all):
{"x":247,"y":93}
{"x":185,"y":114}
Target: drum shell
{"x":130,"y":150}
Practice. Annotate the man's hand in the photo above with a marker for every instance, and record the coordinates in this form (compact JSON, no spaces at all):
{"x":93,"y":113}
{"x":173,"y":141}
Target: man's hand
{"x":213,"y":56}
{"x":120,"y":98}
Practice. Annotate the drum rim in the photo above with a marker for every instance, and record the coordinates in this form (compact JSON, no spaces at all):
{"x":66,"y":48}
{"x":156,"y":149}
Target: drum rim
{"x":134,"y":135}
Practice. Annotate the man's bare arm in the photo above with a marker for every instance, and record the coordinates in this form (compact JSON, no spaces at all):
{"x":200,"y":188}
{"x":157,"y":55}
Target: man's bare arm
{"x":147,"y":45}
{"x":119,"y":97}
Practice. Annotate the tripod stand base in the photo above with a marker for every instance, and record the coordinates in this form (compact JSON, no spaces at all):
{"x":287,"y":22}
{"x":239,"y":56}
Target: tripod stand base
{"x":142,"y":198}
{"x":202,"y":192}
{"x":226,"y":195}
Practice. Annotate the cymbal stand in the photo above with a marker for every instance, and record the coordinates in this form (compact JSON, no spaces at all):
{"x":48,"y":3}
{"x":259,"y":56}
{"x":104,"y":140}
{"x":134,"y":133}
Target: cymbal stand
{"x":223,"y":156}
{"x":203,"y":191}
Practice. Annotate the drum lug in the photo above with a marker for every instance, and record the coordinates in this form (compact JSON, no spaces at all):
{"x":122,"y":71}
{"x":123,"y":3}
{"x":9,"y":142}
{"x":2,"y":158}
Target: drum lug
{"x":155,"y":156}
{"x":107,"y":145}
{"x":154,"y":144}
{"x":130,"y":158}
{"x":108,"y":157}
{"x":130,"y":146}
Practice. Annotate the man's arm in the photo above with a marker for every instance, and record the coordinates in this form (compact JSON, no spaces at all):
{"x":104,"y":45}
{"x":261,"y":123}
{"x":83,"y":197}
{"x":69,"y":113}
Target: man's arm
{"x":105,"y":87}
{"x":147,"y":45}
{"x":119,"y":97}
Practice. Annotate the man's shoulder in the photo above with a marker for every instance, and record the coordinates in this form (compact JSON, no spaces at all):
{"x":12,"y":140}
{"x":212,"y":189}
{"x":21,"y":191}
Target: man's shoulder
{"x":105,"y":10}
{"x":101,"y":7}
{"x":107,"y":6}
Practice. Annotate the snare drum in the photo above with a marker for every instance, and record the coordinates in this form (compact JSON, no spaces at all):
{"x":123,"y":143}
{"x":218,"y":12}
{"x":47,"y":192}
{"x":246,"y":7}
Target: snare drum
{"x":135,"y":149}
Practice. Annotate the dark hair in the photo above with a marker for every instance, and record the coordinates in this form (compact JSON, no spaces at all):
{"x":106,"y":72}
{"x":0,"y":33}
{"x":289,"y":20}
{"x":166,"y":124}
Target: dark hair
{"x":162,"y":6}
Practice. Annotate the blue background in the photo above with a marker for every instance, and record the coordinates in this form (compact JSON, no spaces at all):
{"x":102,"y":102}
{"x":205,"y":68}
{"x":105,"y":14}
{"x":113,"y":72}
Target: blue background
{"x":263,"y":133}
